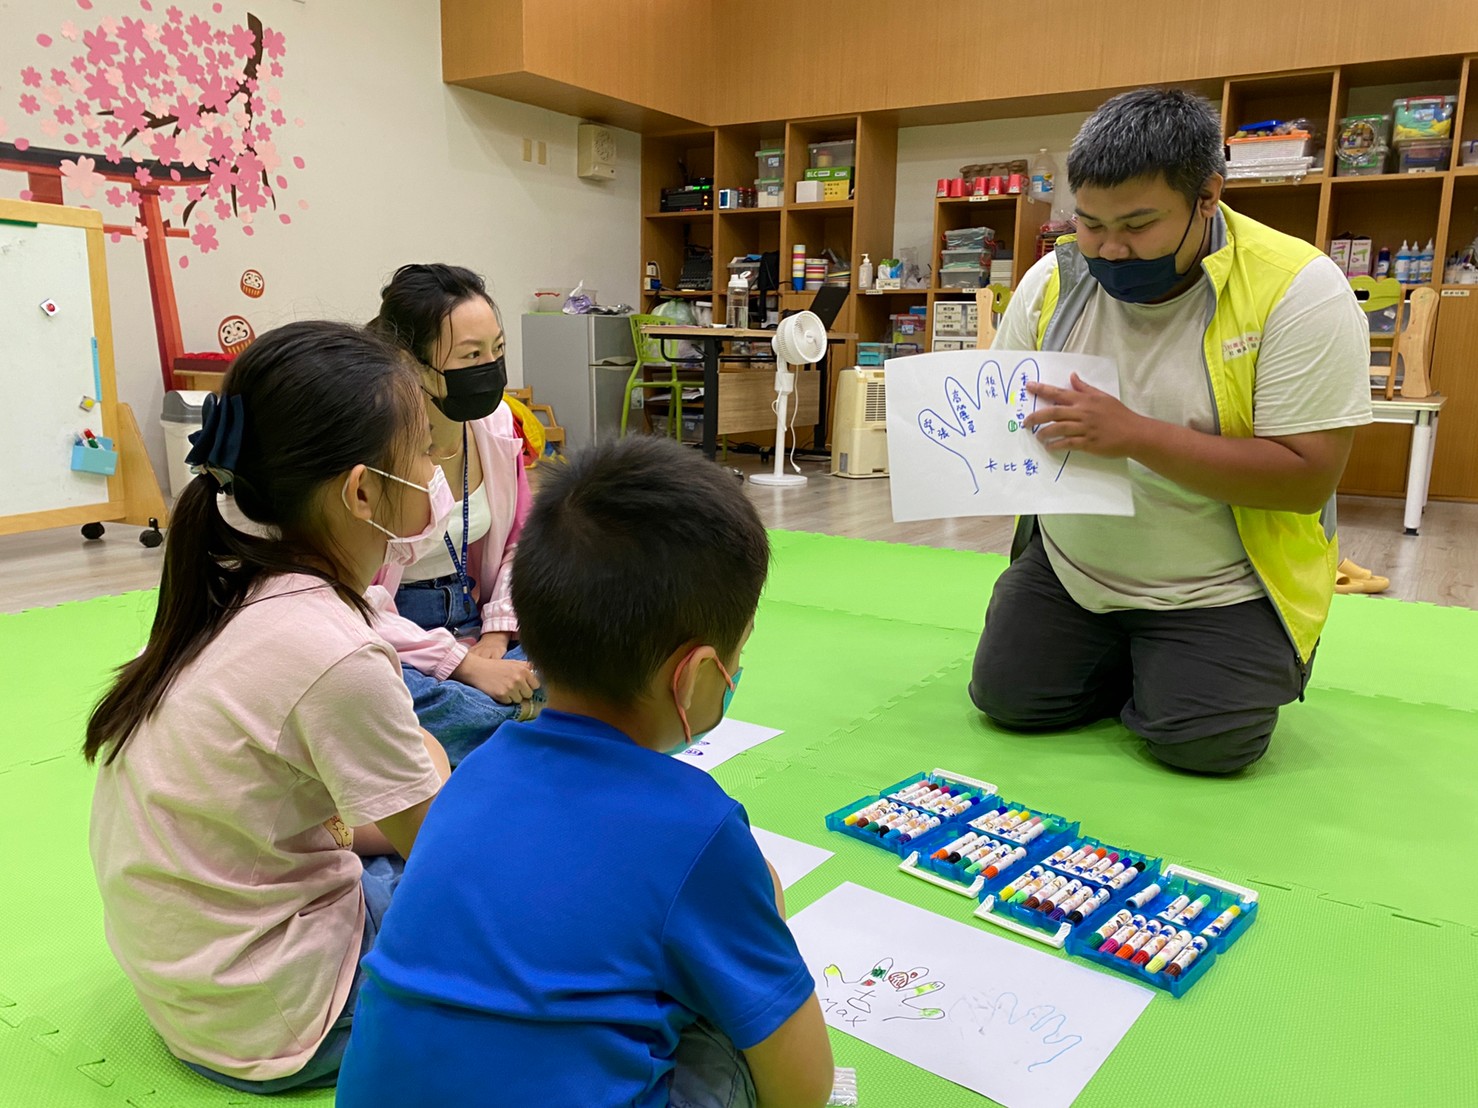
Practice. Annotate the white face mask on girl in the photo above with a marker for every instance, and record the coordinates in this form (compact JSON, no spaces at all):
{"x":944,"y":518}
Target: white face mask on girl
{"x":405,"y":550}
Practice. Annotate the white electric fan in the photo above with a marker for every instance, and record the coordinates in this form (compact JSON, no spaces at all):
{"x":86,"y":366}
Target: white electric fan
{"x":799,"y":340}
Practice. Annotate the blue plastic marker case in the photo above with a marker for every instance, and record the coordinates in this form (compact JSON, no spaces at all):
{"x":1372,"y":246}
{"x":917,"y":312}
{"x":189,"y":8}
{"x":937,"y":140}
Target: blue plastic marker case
{"x":101,"y":459}
{"x":1037,"y":925}
{"x":953,"y":876}
{"x":1175,"y":881}
{"x":893,"y":840}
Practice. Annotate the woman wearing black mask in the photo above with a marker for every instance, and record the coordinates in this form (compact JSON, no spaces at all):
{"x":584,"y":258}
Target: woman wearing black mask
{"x":449,"y":614}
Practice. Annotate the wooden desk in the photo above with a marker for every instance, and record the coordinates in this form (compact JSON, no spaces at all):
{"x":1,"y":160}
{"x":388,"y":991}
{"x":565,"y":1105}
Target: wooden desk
{"x":712,"y":339}
{"x":1422,"y":415}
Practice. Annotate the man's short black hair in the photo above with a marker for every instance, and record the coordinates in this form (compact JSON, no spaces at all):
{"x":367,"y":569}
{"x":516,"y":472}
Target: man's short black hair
{"x":632,"y":549}
{"x":1147,"y":132}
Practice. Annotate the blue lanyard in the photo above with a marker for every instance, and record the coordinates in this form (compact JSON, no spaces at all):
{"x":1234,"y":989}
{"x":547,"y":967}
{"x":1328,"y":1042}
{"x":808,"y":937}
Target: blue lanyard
{"x":461,"y":564}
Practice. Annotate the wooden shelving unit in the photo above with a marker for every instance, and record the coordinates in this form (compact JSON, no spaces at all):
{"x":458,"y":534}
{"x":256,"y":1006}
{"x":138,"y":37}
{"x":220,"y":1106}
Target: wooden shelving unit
{"x":1442,"y":206}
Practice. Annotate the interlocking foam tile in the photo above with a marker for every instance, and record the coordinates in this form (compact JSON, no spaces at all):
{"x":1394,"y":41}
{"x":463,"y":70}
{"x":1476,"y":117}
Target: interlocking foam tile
{"x":1399,"y":649}
{"x":809,"y":669}
{"x":942,"y":588}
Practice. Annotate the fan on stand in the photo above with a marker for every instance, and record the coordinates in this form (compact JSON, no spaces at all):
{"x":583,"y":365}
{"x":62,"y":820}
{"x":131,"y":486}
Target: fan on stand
{"x":799,"y":340}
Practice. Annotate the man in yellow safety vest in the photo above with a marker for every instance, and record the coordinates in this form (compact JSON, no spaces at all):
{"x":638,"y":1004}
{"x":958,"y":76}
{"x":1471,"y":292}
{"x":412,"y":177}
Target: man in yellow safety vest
{"x":1243,"y":372}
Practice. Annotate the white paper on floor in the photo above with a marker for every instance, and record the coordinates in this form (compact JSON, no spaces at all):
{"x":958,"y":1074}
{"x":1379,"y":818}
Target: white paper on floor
{"x":791,"y":858}
{"x":730,"y":737}
{"x":1021,"y":1026}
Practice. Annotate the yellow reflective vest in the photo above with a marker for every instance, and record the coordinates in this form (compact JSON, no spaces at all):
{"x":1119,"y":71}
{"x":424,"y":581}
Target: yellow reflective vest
{"x":1250,"y":268}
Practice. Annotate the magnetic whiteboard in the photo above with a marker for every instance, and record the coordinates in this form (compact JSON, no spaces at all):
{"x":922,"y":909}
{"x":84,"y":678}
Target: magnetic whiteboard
{"x":46,"y":367}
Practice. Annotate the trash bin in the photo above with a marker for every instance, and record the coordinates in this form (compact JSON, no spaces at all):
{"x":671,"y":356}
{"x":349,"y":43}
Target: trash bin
{"x":182,"y":415}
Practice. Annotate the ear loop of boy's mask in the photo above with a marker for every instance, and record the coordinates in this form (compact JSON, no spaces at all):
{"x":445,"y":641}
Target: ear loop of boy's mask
{"x":732,"y":683}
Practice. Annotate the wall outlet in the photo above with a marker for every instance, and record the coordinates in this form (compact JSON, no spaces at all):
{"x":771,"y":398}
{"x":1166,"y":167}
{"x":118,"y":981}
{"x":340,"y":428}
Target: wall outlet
{"x":528,"y":149}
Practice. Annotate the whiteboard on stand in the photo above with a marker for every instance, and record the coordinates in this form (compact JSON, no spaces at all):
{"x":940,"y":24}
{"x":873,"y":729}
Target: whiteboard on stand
{"x":49,"y":361}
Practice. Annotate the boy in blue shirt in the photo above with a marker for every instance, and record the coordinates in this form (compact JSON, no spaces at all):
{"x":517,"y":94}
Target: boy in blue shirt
{"x":586,"y":921}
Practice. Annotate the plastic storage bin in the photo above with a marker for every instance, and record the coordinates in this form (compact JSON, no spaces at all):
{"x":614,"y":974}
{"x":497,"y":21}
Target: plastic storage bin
{"x":962,"y":278}
{"x":839,"y":152}
{"x":902,"y":814}
{"x":1423,"y":118}
{"x":1467,"y":152}
{"x":1261,"y":148}
{"x":1361,"y":145}
{"x":180,"y":415}
{"x":770,"y":192}
{"x":966,"y":257}
{"x":1227,"y":911}
{"x":769,"y":163}
{"x":873,"y":353}
{"x":993,"y":848}
{"x":1424,"y":157}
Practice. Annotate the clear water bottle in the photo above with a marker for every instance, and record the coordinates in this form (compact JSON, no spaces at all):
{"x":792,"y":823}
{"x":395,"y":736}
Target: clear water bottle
{"x":1044,"y":177}
{"x":737,"y":315}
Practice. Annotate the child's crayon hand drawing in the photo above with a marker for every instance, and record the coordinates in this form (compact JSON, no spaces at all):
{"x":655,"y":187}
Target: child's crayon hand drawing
{"x":986,"y":424}
{"x":1034,"y":1037}
{"x":880,"y":994}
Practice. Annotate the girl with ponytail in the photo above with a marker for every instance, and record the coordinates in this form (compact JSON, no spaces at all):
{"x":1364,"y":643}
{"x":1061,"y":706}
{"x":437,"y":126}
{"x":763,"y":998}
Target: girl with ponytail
{"x":264,"y":740}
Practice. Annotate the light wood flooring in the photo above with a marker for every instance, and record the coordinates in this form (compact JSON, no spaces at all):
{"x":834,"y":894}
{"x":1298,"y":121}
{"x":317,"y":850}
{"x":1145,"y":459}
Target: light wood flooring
{"x":1439,"y":566}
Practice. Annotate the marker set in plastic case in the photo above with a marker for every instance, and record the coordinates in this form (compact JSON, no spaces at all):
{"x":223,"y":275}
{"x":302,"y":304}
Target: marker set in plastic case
{"x":1035,"y":874}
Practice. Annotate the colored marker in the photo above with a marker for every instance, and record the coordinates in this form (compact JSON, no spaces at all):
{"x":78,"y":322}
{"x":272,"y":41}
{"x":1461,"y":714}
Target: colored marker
{"x":988,"y":857}
{"x":1088,"y":907}
{"x":1061,"y":856}
{"x":1073,"y":860}
{"x":988,"y":821}
{"x":1153,"y":947}
{"x":1021,"y":881}
{"x":1067,"y":904}
{"x":1032,"y":828}
{"x":944,"y":852}
{"x":1217,"y":927}
{"x":1116,"y":921}
{"x":1026,"y":889}
{"x":1132,"y":947}
{"x":1105,"y":864}
{"x":1196,"y":908}
{"x":1051,"y":900}
{"x":1050,"y":888}
{"x":1122,"y":935}
{"x":1170,"y":950}
{"x":92,"y":440}
{"x":1144,"y":896}
{"x":1129,"y":875}
{"x":1187,"y":956}
{"x":1178,"y":905}
{"x":1005,"y":862}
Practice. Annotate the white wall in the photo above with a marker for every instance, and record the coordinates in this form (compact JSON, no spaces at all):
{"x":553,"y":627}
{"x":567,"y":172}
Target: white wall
{"x":927,"y":153}
{"x":398,"y":168}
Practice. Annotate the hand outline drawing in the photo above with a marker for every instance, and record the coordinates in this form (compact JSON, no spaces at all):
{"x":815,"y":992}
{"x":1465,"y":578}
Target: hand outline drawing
{"x":881,"y":994}
{"x":1041,"y":1024}
{"x":969,"y":431}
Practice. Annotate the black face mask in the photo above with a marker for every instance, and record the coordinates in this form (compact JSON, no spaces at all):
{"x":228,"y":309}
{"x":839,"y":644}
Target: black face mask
{"x":474,"y":392}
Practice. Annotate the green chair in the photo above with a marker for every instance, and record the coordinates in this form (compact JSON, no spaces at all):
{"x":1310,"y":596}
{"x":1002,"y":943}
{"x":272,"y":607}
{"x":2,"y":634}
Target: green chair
{"x":650,"y":355}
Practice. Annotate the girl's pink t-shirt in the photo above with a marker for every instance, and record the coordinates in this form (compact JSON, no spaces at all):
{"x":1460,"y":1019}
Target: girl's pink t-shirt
{"x":220,"y":834}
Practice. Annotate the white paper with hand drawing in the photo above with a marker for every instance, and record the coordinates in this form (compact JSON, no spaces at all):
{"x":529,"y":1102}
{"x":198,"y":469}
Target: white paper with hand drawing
{"x":958,"y":444}
{"x":1021,"y":1026}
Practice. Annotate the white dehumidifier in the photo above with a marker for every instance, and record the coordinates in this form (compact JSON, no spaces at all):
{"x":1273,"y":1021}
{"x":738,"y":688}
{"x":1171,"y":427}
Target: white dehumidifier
{"x":859,"y":437}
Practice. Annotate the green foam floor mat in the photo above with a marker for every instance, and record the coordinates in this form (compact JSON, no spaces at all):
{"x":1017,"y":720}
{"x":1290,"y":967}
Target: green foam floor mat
{"x":1353,"y":987}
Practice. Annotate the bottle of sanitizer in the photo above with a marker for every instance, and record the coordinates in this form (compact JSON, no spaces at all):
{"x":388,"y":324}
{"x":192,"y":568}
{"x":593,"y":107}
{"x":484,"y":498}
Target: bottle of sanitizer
{"x":1402,"y":271}
{"x":864,"y":274}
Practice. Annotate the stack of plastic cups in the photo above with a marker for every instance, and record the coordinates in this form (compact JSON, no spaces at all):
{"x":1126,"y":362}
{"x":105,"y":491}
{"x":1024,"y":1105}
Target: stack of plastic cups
{"x":798,"y":267}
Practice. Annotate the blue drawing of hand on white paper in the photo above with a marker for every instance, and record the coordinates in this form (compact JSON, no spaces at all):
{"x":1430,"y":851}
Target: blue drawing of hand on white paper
{"x":880,"y":994}
{"x":985,"y":425}
{"x":1037,"y":1036}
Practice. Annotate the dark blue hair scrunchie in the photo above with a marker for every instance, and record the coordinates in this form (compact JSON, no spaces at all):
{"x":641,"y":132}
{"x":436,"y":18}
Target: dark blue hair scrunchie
{"x":216,"y":447}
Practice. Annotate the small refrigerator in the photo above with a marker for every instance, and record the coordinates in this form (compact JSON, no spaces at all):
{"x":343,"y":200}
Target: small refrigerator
{"x":579,"y":365}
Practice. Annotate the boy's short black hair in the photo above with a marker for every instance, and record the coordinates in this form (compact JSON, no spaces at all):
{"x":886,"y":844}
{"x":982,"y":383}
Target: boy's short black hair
{"x":1147,"y":132}
{"x":632,"y":549}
